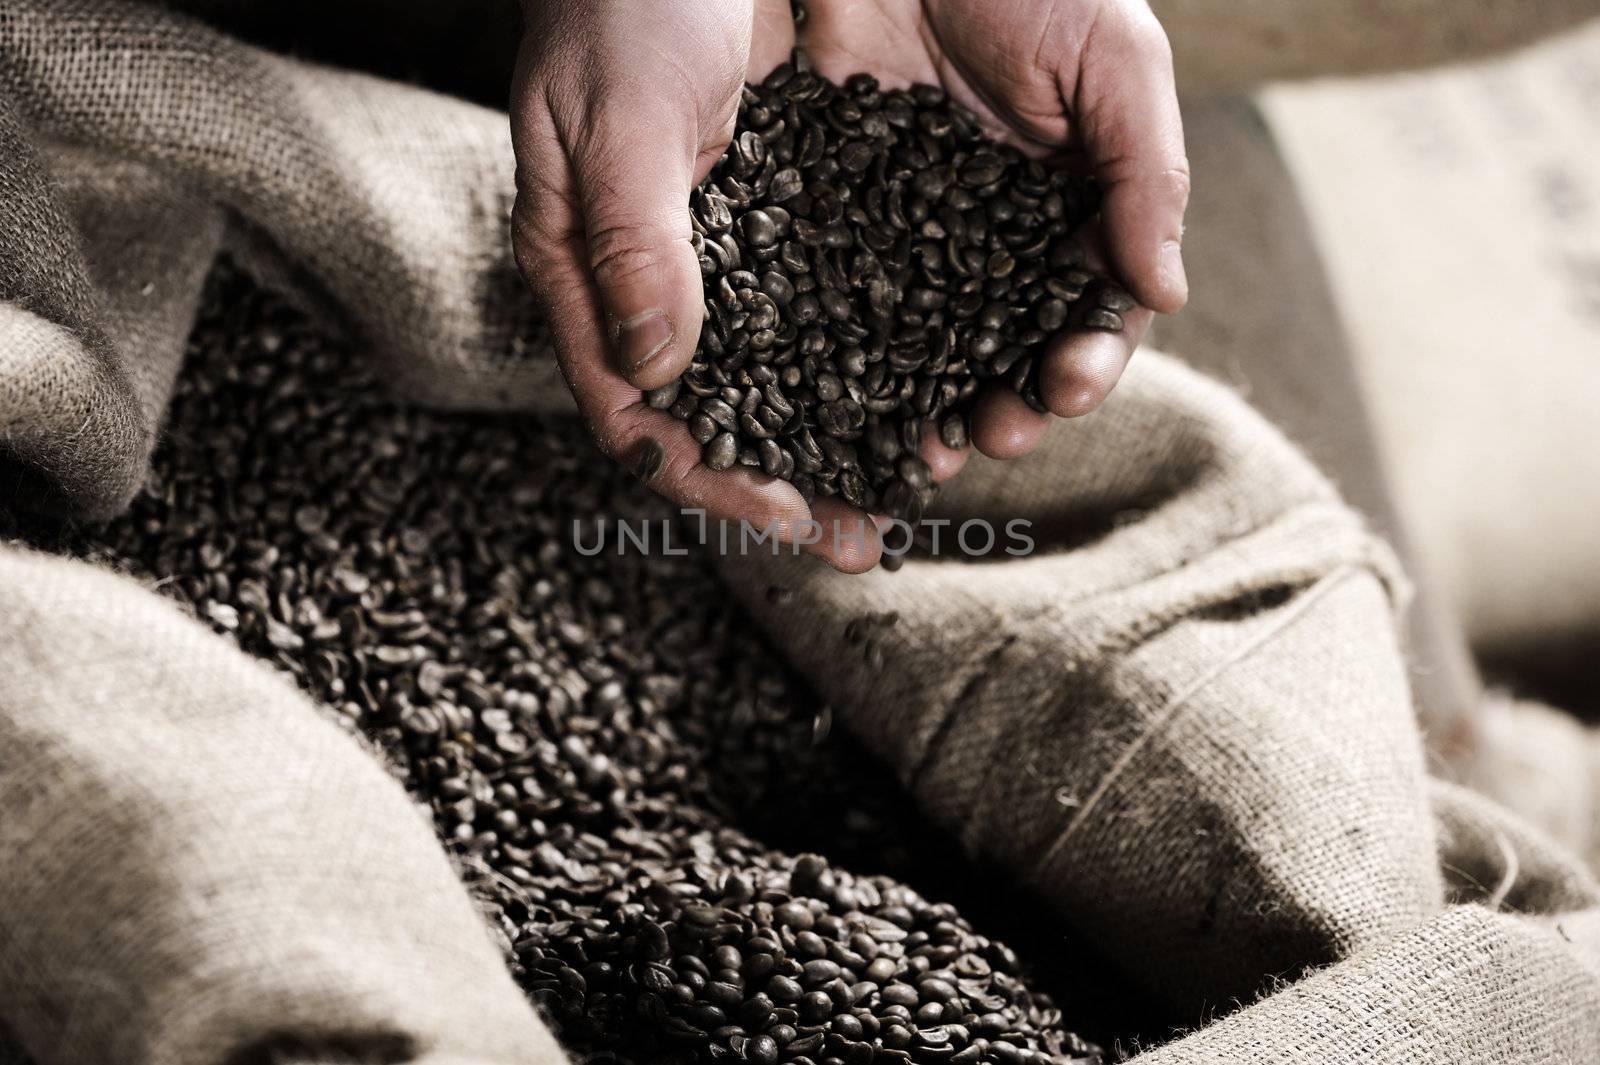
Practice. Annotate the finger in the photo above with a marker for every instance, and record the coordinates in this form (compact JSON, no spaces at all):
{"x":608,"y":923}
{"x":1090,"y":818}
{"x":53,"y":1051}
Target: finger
{"x":1127,"y":102}
{"x":659,"y":449}
{"x":944,"y":462}
{"x":1079,"y":369}
{"x":772,"y":38}
{"x":1004,"y":426}
{"x":849,"y":539}
{"x":549,"y":241}
{"x":633,"y":169}
{"x":1080,"y":366}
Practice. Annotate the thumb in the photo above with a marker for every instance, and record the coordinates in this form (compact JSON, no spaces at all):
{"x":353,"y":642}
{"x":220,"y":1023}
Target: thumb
{"x":633,"y":183}
{"x":1133,"y":129}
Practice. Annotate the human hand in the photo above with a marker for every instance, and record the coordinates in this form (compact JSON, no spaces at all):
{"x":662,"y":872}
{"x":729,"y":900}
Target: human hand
{"x":1079,"y":82}
{"x":619,"y":109}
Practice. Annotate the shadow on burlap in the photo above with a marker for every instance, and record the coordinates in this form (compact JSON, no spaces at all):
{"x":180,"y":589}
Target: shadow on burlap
{"x":1183,"y":722}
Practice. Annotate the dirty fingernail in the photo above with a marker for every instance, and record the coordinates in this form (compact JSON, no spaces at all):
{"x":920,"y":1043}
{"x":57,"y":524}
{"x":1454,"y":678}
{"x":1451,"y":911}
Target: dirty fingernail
{"x":649,"y":460}
{"x":641,"y":338}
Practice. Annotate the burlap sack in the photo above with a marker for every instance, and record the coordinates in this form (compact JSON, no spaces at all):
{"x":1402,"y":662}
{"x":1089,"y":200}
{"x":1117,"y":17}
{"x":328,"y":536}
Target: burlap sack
{"x":1483,"y":387}
{"x":1512,"y":981}
{"x":1237,"y":43}
{"x":1545,"y":766}
{"x":304,"y":158}
{"x":1070,"y":714}
{"x":1183,"y":722}
{"x":200,"y":869}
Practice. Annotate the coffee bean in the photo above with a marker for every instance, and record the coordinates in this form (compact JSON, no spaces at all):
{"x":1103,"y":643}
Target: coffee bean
{"x":702,"y":428}
{"x":953,"y":431}
{"x":783,"y":989}
{"x":762,"y":1050}
{"x":881,"y":970}
{"x":786,"y":184}
{"x":898,"y":994}
{"x":1109,"y":321}
{"x":664,"y":397}
{"x":820,"y":970}
{"x":772,"y":457}
{"x":722,"y":452}
{"x":1051,"y":315}
{"x":1112,"y":298}
{"x":720,"y":412}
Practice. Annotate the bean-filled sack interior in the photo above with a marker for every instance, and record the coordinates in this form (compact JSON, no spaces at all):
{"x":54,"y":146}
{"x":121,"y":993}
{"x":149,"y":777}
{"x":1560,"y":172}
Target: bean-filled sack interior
{"x":1153,"y":783}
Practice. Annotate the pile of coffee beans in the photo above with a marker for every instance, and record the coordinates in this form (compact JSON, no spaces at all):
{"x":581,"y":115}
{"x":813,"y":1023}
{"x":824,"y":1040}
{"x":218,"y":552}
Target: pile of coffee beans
{"x":871,"y":259}
{"x":600,"y":740}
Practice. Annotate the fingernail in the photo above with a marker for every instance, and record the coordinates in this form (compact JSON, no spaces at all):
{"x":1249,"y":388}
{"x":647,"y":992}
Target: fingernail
{"x":641,"y":338}
{"x":649,"y":461}
{"x":1172,"y":267}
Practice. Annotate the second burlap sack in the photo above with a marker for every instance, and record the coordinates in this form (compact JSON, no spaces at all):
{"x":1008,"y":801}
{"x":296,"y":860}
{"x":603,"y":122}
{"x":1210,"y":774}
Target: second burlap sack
{"x":1230,"y":44}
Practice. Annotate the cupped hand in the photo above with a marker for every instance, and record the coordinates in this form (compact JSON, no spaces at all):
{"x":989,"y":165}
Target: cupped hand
{"x":1084,"y":83}
{"x":619,"y":108}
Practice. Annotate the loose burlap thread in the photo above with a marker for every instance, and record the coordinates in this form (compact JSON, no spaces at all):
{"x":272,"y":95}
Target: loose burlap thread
{"x":1183,"y":721}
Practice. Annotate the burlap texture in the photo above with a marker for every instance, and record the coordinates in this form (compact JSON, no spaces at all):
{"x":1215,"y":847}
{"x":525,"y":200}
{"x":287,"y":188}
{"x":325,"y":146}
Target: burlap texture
{"x":1072,"y":714}
{"x":1237,"y":43}
{"x":304,"y":159}
{"x":200,"y":869}
{"x":1544,"y":765}
{"x":1184,"y":721}
{"x":1485,"y":407}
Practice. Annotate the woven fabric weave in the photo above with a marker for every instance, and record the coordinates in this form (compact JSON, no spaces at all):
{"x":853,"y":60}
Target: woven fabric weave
{"x":1183,"y":721}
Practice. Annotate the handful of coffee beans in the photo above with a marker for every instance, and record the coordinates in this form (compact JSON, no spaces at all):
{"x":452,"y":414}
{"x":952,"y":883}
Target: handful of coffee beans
{"x":870,"y":259}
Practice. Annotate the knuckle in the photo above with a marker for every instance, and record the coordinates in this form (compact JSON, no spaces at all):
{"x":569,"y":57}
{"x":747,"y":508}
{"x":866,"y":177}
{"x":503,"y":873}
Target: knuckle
{"x":532,"y":240}
{"x":1149,"y":37}
{"x":619,"y":253}
{"x":1178,"y":181}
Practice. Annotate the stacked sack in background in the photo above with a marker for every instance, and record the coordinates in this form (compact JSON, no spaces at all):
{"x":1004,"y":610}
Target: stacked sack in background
{"x":1183,"y":726}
